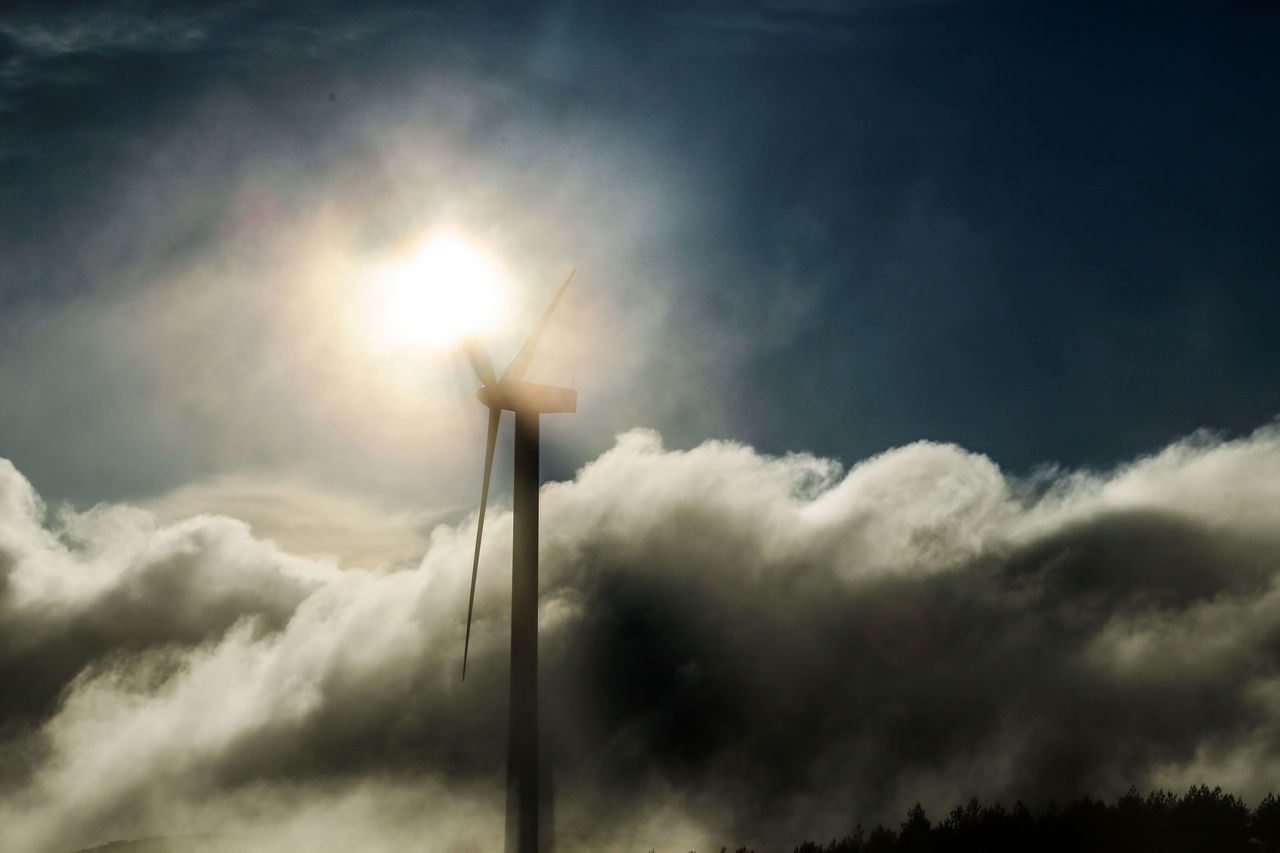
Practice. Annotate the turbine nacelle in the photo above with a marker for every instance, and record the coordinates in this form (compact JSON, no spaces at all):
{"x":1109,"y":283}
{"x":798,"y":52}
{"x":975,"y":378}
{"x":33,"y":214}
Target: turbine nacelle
{"x":529,"y":397}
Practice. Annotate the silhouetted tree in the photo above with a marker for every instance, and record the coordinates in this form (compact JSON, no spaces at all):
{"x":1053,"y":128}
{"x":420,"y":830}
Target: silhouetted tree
{"x":881,"y":840}
{"x":916,"y":834}
{"x":1264,"y":824}
{"x":1207,"y":819}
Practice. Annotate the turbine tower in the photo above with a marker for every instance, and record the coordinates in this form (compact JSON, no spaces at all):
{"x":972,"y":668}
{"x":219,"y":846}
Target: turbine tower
{"x":528,"y":400}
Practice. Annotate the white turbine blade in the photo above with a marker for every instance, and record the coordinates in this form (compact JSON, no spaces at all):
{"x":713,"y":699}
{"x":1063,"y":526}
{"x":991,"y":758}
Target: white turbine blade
{"x":480,"y":361}
{"x":490,"y":442}
{"x":516,"y":369}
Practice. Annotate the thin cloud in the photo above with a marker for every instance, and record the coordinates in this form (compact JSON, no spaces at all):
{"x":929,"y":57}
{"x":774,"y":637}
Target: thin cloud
{"x":306,"y":519}
{"x":814,"y":21}
{"x":110,"y":30}
{"x":42,"y":40}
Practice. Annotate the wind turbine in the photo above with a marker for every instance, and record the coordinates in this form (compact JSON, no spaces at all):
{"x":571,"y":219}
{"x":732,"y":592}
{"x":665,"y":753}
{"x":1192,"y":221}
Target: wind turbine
{"x":528,"y":400}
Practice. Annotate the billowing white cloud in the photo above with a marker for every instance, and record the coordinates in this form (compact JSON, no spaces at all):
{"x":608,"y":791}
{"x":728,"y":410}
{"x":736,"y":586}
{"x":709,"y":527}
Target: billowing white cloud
{"x":735,"y":647}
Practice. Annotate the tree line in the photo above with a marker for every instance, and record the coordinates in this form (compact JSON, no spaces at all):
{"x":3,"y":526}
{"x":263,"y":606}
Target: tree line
{"x":1203,"y":820}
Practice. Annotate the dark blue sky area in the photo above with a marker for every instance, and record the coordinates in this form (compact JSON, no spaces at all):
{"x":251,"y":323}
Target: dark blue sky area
{"x":1046,"y":234}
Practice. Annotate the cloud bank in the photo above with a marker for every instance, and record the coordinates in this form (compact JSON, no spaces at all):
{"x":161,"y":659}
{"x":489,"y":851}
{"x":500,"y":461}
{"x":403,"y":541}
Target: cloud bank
{"x":736,"y":648}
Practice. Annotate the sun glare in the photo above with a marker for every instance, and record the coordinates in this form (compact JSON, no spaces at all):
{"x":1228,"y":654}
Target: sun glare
{"x":442,"y":292}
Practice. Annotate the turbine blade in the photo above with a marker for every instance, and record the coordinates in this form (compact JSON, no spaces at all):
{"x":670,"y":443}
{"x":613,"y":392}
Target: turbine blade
{"x":490,"y":441}
{"x":480,"y":361}
{"x":516,"y":369}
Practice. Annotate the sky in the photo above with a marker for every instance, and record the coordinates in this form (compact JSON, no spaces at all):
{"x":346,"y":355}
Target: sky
{"x":926,"y":444}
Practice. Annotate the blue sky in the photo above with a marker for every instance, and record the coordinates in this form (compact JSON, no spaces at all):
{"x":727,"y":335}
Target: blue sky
{"x":1041,"y":233}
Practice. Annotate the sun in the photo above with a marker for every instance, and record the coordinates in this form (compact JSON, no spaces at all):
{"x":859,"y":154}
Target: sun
{"x":444,"y":290}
